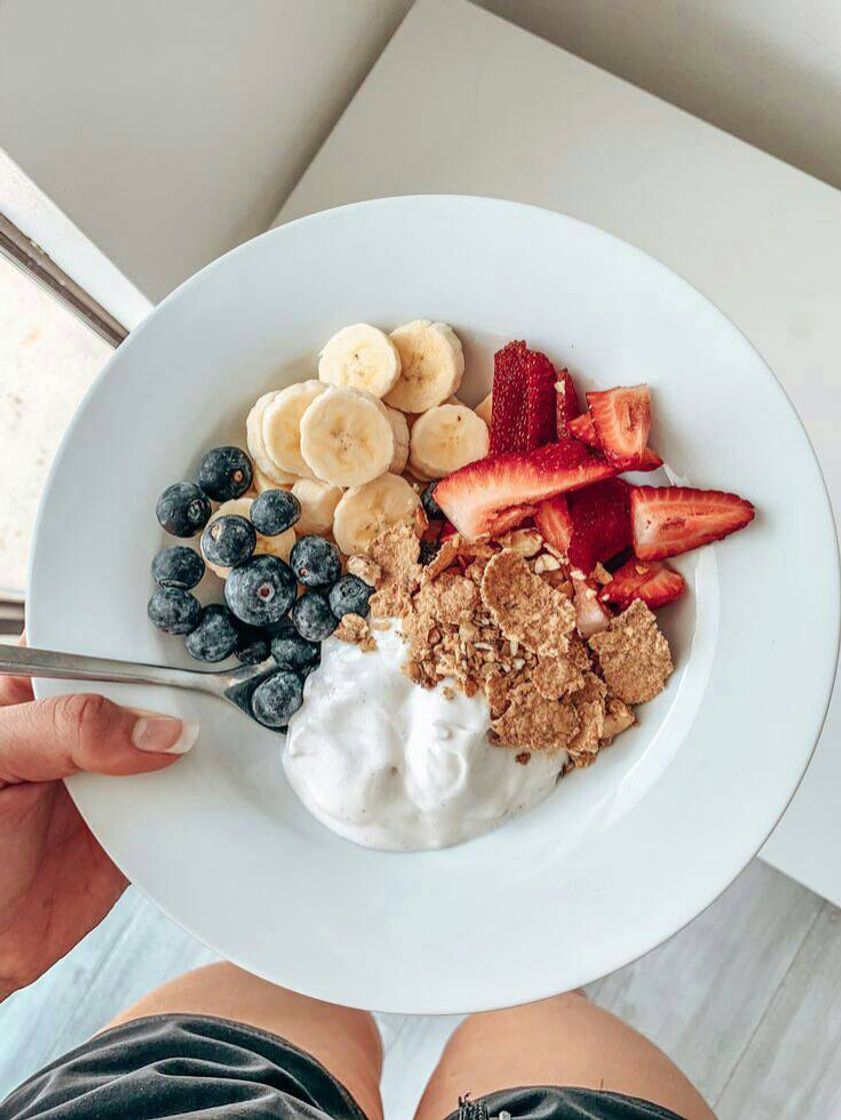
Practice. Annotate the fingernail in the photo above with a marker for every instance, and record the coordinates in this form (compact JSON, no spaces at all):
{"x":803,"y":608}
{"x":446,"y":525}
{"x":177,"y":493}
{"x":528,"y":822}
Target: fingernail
{"x":164,"y":735}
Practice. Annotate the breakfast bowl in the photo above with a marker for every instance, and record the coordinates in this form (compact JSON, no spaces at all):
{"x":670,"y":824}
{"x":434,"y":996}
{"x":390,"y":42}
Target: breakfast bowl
{"x":621,"y":854}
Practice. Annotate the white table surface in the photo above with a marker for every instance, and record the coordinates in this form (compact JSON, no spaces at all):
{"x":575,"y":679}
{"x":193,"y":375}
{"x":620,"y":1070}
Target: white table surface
{"x":463,"y":102}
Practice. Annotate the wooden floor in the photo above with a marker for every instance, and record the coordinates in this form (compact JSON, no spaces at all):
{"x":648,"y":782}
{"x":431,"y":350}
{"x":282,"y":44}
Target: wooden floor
{"x":747,"y":1000}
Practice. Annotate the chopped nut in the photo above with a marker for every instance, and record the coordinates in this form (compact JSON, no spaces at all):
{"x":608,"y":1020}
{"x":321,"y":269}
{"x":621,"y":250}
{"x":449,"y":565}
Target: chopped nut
{"x":546,"y":563}
{"x":365,"y":568}
{"x":353,"y":628}
{"x":528,"y":542}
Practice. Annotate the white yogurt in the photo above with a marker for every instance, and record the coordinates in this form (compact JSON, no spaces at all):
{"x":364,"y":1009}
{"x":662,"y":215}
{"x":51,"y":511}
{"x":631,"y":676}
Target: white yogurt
{"x":390,"y":765}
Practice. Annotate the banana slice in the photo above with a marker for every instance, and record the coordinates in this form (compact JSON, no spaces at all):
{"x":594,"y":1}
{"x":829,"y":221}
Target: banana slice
{"x":447,"y":438}
{"x":318,"y":503}
{"x":483,"y":409}
{"x":261,"y":482}
{"x":365,"y":511}
{"x":432,"y":364}
{"x":261,"y":460}
{"x":281,"y":427}
{"x":400,"y":430}
{"x":360,"y":357}
{"x":281,"y":545}
{"x":346,"y":437}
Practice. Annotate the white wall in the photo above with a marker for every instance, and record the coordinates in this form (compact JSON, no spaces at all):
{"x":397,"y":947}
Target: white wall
{"x":769,"y":71}
{"x":170,"y":130}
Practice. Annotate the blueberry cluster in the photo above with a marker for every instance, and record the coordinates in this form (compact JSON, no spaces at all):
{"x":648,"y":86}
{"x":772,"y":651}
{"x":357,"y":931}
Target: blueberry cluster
{"x":263,"y":615}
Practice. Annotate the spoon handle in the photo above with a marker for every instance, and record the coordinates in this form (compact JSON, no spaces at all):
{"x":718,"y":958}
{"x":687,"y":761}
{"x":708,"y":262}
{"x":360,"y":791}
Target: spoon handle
{"x":25,"y":662}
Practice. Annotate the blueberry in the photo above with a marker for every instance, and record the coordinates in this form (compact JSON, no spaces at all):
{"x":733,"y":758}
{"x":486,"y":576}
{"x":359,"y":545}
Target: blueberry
{"x":225,"y":473}
{"x":229,"y":540}
{"x":183,"y":509}
{"x":178,"y":567}
{"x":315,"y":561}
{"x":428,"y":551}
{"x":216,"y":635}
{"x":312,"y":618}
{"x":253,"y":645}
{"x":174,"y":611}
{"x":274,"y":511}
{"x":293,"y":651}
{"x":277,"y":698}
{"x":350,"y":596}
{"x":431,"y":508}
{"x":261,"y":590}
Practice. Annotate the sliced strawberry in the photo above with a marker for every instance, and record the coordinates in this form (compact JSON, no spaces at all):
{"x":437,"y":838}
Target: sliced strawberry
{"x":650,"y":461}
{"x":622,"y":419}
{"x":541,"y":401}
{"x":566,"y":403}
{"x":554,"y":522}
{"x":601,"y":523}
{"x":650,"y":580}
{"x":474,"y":497}
{"x":508,"y":422}
{"x":583,"y":428}
{"x":668,"y":520}
{"x":523,"y":401}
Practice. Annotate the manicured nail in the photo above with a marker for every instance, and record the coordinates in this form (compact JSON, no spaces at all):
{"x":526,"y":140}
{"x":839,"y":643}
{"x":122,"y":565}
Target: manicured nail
{"x":164,"y":735}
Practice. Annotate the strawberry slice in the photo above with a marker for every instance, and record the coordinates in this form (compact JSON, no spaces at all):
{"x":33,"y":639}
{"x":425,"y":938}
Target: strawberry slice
{"x":650,"y":461}
{"x":508,"y":422}
{"x":601,"y":523}
{"x":583,"y":428}
{"x":523,"y":400}
{"x":541,"y":401}
{"x":668,"y":520}
{"x":590,"y":525}
{"x":650,"y":580}
{"x":566,"y":403}
{"x":554,"y":522}
{"x":622,"y":419}
{"x":475,"y":497}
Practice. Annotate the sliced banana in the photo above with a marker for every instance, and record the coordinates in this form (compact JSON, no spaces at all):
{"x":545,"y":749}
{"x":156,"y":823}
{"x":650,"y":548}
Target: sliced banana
{"x":360,"y":357}
{"x":261,"y":482}
{"x":432,"y":362}
{"x":261,"y":460}
{"x":281,"y":545}
{"x":318,"y":503}
{"x":446,"y":438}
{"x":483,"y":409}
{"x":365,"y":511}
{"x":401,"y":440}
{"x":281,"y":427}
{"x":346,"y":437}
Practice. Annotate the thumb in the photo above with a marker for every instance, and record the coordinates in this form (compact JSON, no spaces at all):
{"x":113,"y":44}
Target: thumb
{"x":48,"y":739}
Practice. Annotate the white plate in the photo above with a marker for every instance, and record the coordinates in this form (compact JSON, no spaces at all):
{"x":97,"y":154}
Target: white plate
{"x":624,"y":853}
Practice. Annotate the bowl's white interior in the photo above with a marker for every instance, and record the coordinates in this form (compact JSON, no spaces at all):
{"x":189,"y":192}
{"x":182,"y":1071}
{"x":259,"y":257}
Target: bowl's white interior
{"x":622,"y":853}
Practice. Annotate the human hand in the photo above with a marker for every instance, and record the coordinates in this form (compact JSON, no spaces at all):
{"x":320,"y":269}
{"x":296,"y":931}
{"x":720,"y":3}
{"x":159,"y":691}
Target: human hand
{"x":56,"y":882}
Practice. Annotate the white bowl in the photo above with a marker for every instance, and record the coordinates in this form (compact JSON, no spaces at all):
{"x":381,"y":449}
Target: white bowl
{"x":622,"y":854}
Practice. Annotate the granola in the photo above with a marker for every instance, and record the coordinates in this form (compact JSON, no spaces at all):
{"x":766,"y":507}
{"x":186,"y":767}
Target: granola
{"x":634,"y":656}
{"x":499,"y":618}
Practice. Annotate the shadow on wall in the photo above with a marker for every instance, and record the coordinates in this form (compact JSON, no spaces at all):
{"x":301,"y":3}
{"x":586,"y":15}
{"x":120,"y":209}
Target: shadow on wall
{"x":766,"y":71}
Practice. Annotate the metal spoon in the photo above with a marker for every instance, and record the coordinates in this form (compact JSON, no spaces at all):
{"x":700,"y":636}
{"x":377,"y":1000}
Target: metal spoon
{"x":236,"y":686}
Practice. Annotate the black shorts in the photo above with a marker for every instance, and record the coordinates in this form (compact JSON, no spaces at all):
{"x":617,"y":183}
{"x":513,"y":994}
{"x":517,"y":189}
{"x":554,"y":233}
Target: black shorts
{"x":197,"y":1066}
